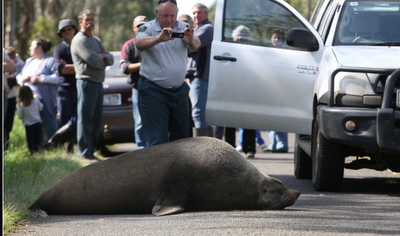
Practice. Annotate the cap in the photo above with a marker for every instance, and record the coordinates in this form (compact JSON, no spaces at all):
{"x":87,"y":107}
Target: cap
{"x":139,"y":20}
{"x":184,"y":17}
{"x":63,"y":23}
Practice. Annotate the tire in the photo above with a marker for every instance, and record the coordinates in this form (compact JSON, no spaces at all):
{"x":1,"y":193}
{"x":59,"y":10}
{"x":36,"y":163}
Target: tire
{"x":302,"y":162}
{"x":327,"y":162}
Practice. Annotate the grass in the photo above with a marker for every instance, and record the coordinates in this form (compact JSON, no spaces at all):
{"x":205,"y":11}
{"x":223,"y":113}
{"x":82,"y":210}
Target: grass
{"x":26,"y":176}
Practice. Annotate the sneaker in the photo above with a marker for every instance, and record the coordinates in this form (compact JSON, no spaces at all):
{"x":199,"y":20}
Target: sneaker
{"x":264,"y":147}
{"x":91,"y":157}
{"x":239,"y":149}
{"x":250,"y":155}
{"x":281,"y":151}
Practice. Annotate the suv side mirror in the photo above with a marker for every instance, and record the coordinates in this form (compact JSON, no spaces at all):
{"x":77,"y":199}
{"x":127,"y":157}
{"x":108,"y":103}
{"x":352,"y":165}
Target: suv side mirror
{"x":302,"y":38}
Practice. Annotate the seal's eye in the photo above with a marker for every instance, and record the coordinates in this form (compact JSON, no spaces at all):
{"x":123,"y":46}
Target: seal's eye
{"x":264,"y":190}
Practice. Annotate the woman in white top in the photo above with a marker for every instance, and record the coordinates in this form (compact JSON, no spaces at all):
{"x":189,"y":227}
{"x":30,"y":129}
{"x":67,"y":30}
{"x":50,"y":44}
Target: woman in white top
{"x":40,"y":73}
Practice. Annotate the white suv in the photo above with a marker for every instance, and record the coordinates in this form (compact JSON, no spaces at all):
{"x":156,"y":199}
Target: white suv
{"x":333,"y":82}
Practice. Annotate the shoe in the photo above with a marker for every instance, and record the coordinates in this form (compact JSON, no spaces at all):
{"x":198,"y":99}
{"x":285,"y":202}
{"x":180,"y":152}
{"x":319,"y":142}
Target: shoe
{"x":280,"y":151}
{"x":64,"y":134}
{"x":239,"y":149}
{"x":250,"y":155}
{"x":264,"y":148}
{"x":48,"y":146}
{"x":91,"y":157}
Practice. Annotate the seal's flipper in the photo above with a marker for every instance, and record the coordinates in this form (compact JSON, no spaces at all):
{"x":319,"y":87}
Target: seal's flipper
{"x":38,"y":213}
{"x":170,"y":203}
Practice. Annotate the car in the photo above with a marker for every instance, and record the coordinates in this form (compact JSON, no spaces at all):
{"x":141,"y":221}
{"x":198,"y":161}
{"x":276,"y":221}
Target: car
{"x":118,"y":123}
{"x":335,"y":82}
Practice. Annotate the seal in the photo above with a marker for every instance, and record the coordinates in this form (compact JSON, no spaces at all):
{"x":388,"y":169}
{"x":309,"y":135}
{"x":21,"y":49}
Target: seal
{"x":193,"y":174}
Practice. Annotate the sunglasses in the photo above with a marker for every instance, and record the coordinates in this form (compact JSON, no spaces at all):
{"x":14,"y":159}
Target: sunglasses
{"x":163,"y":1}
{"x":66,"y":29}
{"x":39,"y":41}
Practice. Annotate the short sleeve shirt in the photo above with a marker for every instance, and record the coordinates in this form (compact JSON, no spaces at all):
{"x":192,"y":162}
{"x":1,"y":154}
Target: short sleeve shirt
{"x":165,"y":63}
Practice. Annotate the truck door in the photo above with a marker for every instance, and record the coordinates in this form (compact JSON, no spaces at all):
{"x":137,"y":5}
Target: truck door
{"x":255,"y":83}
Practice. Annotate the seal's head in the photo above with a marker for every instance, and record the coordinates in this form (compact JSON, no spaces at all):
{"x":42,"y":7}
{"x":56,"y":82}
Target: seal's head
{"x":274,"y":195}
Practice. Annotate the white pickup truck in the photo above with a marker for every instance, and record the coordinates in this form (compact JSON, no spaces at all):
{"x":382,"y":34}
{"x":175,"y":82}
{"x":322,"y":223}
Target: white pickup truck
{"x":335,"y":81}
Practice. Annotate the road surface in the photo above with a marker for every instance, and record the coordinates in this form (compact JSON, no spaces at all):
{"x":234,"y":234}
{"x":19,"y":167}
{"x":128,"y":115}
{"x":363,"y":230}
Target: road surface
{"x":369,"y":204}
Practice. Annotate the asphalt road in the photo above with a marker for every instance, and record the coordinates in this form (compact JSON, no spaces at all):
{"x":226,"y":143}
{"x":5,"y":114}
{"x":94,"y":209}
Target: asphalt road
{"x":369,"y":204}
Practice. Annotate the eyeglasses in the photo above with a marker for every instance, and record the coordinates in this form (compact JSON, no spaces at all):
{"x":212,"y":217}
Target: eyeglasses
{"x":163,"y":1}
{"x":66,"y":29}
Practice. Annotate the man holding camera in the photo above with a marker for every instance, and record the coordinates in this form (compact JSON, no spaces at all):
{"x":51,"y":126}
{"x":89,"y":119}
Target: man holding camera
{"x":163,"y":93}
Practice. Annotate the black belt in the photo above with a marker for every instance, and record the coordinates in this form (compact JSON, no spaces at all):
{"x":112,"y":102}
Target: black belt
{"x":169,"y":89}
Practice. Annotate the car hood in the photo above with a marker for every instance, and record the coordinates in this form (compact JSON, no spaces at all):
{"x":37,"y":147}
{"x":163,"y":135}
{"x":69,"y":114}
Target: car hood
{"x":368,"y":56}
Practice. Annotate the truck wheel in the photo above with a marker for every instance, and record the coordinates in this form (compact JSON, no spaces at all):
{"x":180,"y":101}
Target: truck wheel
{"x":302,"y":162}
{"x":327,"y":162}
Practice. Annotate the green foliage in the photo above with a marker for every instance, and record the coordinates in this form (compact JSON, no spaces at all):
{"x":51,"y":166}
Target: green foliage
{"x":305,"y":7}
{"x":11,"y":219}
{"x":27,"y":176}
{"x":44,"y":28}
{"x":113,"y":19}
{"x":115,"y":23}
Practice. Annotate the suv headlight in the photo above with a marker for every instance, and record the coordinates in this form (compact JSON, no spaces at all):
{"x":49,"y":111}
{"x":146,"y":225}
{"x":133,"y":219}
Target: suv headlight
{"x":351,"y":83}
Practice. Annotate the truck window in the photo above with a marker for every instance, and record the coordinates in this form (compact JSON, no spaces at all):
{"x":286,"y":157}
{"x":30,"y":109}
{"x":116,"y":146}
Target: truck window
{"x":254,"y":21}
{"x":327,"y":17}
{"x":368,"y":22}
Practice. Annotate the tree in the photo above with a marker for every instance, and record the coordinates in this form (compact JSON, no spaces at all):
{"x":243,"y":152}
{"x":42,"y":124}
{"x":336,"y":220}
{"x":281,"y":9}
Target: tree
{"x":23,"y":20}
{"x":305,"y":7}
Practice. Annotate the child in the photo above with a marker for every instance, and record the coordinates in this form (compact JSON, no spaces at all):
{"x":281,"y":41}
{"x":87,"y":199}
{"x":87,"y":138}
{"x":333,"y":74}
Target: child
{"x":29,"y":112}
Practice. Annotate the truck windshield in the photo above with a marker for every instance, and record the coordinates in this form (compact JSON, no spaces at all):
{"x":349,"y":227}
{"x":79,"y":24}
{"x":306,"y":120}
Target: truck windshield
{"x":369,"y":23}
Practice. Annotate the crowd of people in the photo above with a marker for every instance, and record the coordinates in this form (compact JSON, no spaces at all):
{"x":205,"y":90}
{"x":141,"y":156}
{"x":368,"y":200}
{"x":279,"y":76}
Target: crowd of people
{"x":61,"y":97}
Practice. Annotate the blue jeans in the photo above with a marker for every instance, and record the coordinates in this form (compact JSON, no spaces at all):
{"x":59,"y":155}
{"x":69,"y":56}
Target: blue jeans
{"x":49,"y":122}
{"x":90,"y":111}
{"x":140,"y":135}
{"x":165,"y":113}
{"x":279,"y":141}
{"x":199,"y":90}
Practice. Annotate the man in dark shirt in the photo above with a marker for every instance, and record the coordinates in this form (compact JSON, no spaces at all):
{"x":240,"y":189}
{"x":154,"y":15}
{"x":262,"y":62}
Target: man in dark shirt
{"x":198,"y":70}
{"x":130,"y":65}
{"x":67,"y":95}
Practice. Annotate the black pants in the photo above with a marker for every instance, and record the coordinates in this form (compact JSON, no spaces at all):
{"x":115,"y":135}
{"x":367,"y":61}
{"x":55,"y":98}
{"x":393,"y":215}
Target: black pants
{"x":228,"y":133}
{"x":9,"y":119}
{"x":230,"y":136}
{"x":249,"y":140}
{"x":34,"y":137}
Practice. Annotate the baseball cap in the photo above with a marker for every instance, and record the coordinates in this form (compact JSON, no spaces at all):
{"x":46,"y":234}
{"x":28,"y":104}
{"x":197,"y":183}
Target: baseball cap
{"x":139,"y":20}
{"x":63,"y":23}
{"x":184,"y":17}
